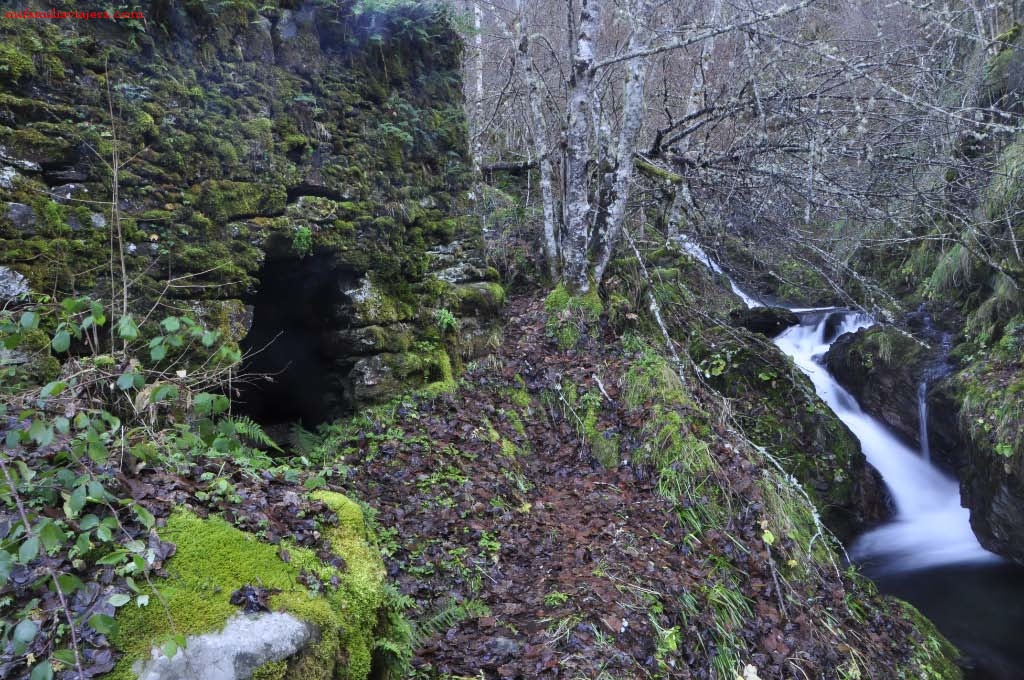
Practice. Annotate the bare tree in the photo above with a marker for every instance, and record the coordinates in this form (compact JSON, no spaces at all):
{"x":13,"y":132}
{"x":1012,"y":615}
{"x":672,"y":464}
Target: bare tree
{"x":754,"y":116}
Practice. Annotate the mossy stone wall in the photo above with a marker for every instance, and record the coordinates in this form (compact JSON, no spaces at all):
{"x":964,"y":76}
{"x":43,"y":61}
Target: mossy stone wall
{"x":244,"y":132}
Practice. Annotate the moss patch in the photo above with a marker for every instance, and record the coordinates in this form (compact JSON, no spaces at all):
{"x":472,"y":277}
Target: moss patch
{"x":214,"y":559}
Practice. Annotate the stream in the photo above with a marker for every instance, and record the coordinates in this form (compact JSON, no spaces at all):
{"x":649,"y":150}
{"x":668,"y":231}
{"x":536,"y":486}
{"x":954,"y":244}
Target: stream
{"x":927,"y":553}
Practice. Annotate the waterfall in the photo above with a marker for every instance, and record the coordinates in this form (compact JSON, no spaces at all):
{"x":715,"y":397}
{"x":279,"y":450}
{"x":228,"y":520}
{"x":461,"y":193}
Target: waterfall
{"x":930,"y":527}
{"x":922,"y":419}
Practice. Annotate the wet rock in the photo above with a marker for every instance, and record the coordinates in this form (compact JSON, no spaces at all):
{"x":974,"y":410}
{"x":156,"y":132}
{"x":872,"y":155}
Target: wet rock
{"x":245,"y":644}
{"x":503,"y":647}
{"x":19,"y":163}
{"x":8,"y":176}
{"x":778,"y":408}
{"x":66,"y":175}
{"x":768,"y":321}
{"x":21,"y":217}
{"x":993,"y":488}
{"x":12,"y":284}
{"x":368,"y":340}
{"x":882,"y":367}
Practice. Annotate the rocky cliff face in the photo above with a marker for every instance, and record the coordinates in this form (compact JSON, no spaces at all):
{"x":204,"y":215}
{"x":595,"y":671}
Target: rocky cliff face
{"x":295,"y":174}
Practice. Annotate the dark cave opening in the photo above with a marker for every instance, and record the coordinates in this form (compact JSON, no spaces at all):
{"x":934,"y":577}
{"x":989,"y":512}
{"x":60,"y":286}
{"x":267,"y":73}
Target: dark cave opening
{"x":291,"y":373}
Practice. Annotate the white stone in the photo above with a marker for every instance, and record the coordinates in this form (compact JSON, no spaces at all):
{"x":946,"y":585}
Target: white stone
{"x":246,"y":643}
{"x":7,"y":177}
{"x":12,"y":284}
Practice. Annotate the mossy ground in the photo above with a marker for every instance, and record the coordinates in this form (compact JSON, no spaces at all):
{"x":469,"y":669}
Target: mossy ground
{"x":213,"y":559}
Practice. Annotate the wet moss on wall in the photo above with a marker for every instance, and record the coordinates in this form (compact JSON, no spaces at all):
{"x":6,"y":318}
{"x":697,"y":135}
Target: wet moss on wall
{"x":242,"y":127}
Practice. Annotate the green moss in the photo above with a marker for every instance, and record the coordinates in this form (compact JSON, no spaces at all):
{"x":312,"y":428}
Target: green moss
{"x":15,"y":63}
{"x":224,"y":200}
{"x":213,"y":559}
{"x":570,"y":317}
{"x":372,"y":305}
{"x":479,"y":298}
{"x":934,"y":657}
{"x":275,"y":670}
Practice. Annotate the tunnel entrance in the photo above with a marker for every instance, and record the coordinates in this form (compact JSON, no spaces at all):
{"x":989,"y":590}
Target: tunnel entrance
{"x":292,"y":374}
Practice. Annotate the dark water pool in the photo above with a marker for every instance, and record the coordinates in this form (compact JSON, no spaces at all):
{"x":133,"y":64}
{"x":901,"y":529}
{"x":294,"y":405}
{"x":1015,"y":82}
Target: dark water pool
{"x":979,"y":607}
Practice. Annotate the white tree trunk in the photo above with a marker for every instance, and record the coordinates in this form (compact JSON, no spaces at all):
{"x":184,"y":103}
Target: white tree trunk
{"x":538,"y":136}
{"x":629,"y":132}
{"x":579,"y":151}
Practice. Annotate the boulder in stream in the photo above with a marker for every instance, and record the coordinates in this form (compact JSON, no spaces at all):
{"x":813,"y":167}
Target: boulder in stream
{"x":768,"y":321}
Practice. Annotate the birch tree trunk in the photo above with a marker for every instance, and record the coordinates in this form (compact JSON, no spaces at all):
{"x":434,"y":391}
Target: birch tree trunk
{"x":538,"y":137}
{"x":629,"y":133}
{"x":682,"y":200}
{"x":578,"y":151}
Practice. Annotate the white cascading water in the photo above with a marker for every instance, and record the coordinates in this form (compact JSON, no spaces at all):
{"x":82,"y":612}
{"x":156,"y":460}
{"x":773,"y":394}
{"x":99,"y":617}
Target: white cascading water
{"x":922,"y":419}
{"x":930,"y":527}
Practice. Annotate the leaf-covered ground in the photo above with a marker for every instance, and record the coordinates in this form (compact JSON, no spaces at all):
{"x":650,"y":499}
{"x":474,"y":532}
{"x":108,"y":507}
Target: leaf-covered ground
{"x":527,"y":558}
{"x":522,"y":556}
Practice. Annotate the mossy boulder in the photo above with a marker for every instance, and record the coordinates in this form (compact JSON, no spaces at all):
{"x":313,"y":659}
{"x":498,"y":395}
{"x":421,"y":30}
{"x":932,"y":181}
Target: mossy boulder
{"x":382,"y":375}
{"x":882,"y":367}
{"x":768,"y":321}
{"x":213,"y":560}
{"x":778,"y":408}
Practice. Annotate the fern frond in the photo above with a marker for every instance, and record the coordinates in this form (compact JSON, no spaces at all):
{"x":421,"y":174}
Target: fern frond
{"x":448,"y":616}
{"x":253,"y":431}
{"x":302,"y":440}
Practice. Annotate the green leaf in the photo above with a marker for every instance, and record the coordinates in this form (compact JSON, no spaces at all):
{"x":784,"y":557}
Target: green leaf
{"x":6,"y":564}
{"x":126,"y":380}
{"x":69,"y":583}
{"x":81,"y":420}
{"x":43,"y":671}
{"x":103,"y":533}
{"x":103,"y":624}
{"x":158,"y":353}
{"x":25,"y":632}
{"x":113,"y":558}
{"x":171,"y":324}
{"x":144,"y":516}
{"x":51,"y":536}
{"x":29,"y":321}
{"x":164,"y":392}
{"x":62,"y":424}
{"x":65,"y":656}
{"x":61,"y":341}
{"x":127,"y":329}
{"x":89,"y":522}
{"x":210,"y":337}
{"x":119,"y":600}
{"x":28,"y":550}
{"x":52,"y":389}
{"x":75,"y":502}
{"x":169,"y":648}
{"x":41,"y":432}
